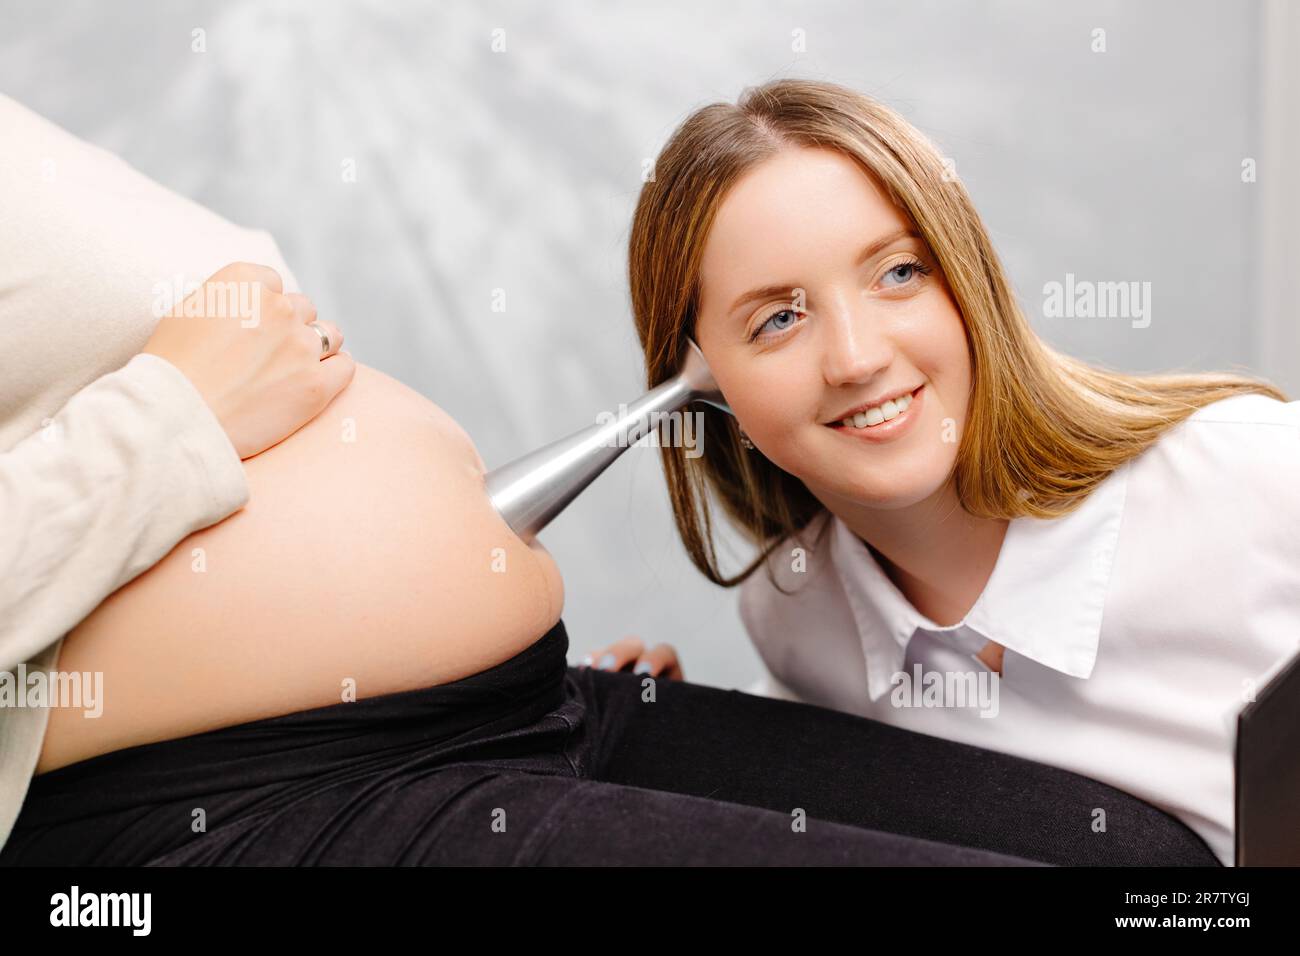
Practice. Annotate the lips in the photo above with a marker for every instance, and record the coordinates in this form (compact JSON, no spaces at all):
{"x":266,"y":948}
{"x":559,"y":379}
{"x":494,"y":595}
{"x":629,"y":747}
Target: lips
{"x":888,"y":431}
{"x":863,"y":407}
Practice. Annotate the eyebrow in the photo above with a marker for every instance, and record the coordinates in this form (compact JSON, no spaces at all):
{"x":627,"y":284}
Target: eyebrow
{"x":785,"y":288}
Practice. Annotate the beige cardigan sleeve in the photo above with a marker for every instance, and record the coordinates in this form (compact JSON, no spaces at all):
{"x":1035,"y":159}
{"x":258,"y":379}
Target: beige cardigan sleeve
{"x":133,"y":462}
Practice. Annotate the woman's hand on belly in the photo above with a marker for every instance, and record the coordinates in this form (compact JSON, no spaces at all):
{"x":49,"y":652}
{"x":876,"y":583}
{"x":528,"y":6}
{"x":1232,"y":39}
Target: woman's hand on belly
{"x":368,"y":556}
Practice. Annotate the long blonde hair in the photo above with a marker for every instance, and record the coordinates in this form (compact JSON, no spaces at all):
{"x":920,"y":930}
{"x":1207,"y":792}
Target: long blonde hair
{"x":1043,"y":429}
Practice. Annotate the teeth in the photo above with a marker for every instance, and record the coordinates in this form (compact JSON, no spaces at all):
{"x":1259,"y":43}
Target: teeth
{"x":879,"y":413}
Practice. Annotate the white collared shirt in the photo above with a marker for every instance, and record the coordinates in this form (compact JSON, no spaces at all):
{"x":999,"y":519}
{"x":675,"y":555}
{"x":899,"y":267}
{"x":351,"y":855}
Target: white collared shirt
{"x":1136,"y":627}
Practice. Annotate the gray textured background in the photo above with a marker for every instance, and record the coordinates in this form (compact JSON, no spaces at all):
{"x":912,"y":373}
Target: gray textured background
{"x":519,"y":170}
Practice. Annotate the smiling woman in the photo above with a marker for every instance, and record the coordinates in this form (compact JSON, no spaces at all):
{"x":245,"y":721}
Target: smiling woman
{"x":916,"y":462}
{"x":874,"y":324}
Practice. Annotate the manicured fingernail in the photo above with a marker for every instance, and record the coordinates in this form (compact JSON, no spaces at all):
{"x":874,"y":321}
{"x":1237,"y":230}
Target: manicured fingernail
{"x":642,"y":668}
{"x":605,"y":663}
{"x":586,"y":661}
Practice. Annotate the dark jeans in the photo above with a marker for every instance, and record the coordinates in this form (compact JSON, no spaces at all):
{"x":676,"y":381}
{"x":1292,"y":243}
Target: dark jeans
{"x":533,"y":762}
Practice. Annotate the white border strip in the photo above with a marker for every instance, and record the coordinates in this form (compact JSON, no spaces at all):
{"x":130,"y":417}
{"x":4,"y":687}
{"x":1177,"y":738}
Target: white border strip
{"x":1277,"y":341}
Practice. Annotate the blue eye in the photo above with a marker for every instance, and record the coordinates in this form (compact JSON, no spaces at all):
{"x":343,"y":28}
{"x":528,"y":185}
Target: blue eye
{"x":913,"y":267}
{"x":768,"y":322}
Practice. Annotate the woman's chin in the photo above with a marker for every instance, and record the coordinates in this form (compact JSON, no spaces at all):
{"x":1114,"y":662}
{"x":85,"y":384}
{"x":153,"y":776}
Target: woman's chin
{"x":878,"y":492}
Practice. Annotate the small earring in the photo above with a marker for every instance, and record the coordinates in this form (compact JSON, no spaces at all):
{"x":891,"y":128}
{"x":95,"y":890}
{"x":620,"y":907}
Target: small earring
{"x":744,"y":440}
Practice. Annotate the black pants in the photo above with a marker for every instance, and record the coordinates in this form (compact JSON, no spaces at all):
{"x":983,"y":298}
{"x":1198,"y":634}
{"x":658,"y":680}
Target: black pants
{"x":533,"y":762}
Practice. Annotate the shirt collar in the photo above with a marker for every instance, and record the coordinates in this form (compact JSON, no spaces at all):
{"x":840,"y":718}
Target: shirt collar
{"x":1043,"y":601}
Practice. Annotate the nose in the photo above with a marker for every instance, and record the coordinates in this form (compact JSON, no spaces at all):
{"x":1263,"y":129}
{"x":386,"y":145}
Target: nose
{"x":854,"y":350}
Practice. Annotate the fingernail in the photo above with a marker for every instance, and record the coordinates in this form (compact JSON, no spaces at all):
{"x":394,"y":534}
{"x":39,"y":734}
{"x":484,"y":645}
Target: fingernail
{"x":642,"y":668}
{"x":605,"y":663}
{"x":586,"y":661}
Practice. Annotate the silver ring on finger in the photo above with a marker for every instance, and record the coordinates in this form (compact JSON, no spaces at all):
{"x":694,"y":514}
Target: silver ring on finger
{"x":324,"y":338}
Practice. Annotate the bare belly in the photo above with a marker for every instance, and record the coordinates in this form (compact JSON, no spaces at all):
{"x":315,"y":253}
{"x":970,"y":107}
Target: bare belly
{"x":376,"y":563}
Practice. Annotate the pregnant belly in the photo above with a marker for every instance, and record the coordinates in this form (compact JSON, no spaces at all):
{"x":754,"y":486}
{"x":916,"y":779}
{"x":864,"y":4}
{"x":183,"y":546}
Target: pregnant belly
{"x":368,"y":556}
